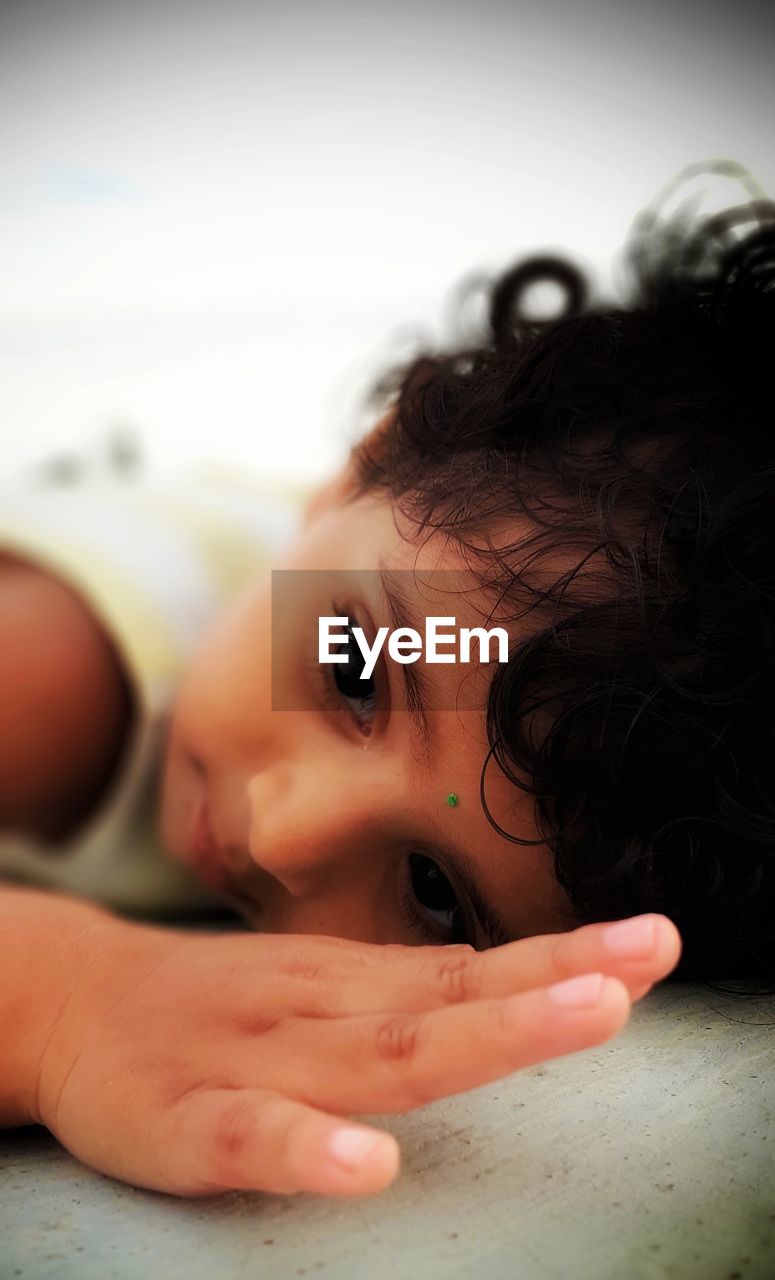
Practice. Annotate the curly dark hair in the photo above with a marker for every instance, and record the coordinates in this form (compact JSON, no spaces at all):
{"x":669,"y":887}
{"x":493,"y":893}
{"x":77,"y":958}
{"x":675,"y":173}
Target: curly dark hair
{"x":640,"y":713}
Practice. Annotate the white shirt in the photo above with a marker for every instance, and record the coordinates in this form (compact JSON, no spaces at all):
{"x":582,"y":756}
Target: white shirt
{"x":156,"y":562}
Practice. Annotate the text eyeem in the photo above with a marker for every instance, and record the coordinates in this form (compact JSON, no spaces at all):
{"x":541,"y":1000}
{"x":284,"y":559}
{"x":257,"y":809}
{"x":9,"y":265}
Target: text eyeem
{"x":442,"y":642}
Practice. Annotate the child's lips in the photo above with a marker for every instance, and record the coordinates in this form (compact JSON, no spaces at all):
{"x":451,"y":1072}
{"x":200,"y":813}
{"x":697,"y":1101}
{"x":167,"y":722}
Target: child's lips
{"x":206,"y":853}
{"x":209,"y":863}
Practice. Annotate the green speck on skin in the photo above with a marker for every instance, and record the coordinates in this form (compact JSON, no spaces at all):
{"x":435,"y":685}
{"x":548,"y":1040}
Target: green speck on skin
{"x":452,"y":800}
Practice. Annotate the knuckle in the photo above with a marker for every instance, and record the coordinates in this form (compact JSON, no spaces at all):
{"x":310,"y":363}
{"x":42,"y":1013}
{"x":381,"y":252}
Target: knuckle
{"x":507,"y":1017}
{"x":559,"y":958}
{"x":245,"y":1128}
{"x":301,"y":964}
{"x":459,"y":978}
{"x":397,"y":1039}
{"x":231,"y":1135}
{"x":257,"y":1024}
{"x":302,"y":967}
{"x":371,"y":956}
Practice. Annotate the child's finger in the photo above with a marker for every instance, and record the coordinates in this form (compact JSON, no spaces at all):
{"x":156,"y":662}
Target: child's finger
{"x":397,"y":1061}
{"x":413,"y":979}
{"x":254,"y":1139}
{"x":639,"y":952}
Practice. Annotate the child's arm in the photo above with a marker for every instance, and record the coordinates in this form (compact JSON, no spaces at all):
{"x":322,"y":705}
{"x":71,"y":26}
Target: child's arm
{"x":195,"y":1064}
{"x":63,"y":711}
{"x":64,"y":703}
{"x":40,"y":959}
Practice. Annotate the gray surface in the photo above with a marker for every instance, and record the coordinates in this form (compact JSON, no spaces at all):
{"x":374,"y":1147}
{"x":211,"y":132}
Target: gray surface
{"x":649,"y":1157}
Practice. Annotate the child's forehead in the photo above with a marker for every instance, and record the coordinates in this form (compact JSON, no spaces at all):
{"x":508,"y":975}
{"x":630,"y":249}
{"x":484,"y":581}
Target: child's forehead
{"x":441,"y":574}
{"x":506,"y":559}
{"x":488,"y":572}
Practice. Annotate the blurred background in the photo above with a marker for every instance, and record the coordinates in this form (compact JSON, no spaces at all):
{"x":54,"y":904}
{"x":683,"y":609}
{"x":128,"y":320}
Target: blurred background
{"x":220,"y":222}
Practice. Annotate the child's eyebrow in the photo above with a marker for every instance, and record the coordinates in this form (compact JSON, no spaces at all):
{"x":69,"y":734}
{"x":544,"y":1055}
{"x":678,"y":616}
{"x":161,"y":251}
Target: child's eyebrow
{"x":465,"y":869}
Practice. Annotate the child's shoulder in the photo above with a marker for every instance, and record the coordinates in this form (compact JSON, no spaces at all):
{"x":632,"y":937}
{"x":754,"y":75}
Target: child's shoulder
{"x":66,"y":707}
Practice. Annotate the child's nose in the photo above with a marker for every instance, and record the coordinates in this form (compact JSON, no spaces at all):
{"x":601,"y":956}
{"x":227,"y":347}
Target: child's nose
{"x":312,"y":829}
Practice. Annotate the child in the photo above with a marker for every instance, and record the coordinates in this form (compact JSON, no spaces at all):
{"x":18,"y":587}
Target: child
{"x":607,"y":479}
{"x":605,"y":482}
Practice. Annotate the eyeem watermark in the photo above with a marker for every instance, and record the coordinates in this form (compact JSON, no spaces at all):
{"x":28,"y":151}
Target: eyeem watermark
{"x":443,"y":642}
{"x":431,"y":637}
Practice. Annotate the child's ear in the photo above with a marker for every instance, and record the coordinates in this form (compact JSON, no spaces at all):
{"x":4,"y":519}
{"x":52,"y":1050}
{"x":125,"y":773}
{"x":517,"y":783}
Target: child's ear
{"x":344,"y":484}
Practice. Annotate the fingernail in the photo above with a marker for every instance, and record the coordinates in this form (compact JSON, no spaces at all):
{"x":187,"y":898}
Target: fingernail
{"x":578,"y":993}
{"x":631,"y":938}
{"x":351,"y":1147}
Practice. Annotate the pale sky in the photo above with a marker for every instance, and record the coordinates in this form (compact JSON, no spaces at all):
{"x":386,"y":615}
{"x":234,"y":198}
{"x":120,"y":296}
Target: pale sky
{"x":218,"y":222}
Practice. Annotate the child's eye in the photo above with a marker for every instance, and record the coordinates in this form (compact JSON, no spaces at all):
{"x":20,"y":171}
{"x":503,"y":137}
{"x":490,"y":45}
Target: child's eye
{"x":360,"y":695}
{"x":441,"y":916}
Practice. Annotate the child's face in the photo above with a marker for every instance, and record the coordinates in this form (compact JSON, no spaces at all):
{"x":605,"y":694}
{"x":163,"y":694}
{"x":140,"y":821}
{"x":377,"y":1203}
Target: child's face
{"x":316,"y":827}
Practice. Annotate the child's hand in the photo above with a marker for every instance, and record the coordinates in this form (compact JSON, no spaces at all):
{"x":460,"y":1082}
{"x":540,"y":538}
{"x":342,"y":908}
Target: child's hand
{"x":196,"y":1064}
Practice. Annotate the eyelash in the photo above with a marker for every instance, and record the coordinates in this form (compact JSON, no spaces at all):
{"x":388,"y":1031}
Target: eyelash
{"x":425,"y":929}
{"x":331,"y":696}
{"x":332,"y":699}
